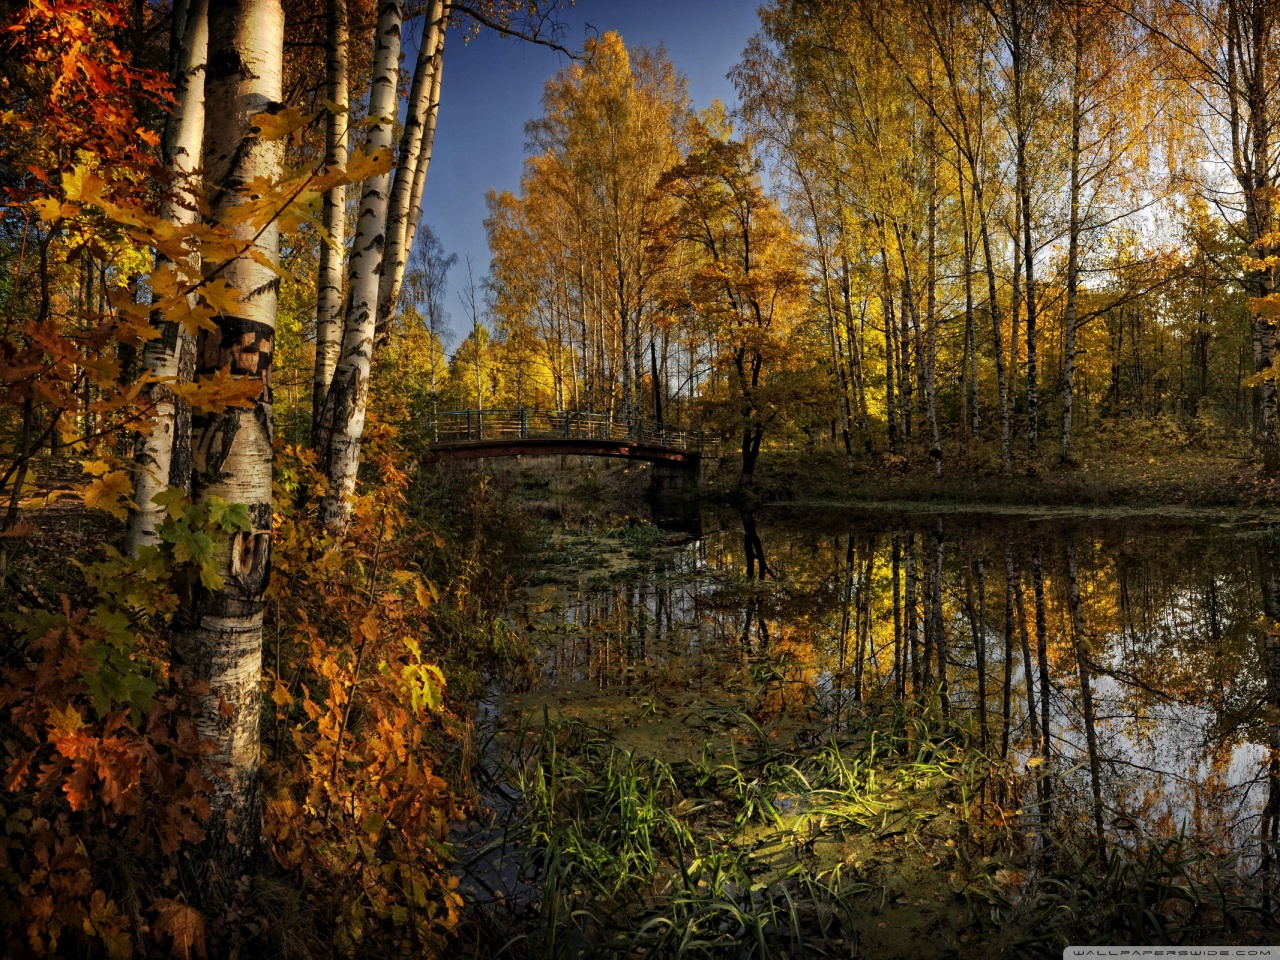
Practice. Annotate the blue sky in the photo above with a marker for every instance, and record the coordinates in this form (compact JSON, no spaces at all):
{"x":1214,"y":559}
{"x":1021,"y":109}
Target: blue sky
{"x":492,"y":86}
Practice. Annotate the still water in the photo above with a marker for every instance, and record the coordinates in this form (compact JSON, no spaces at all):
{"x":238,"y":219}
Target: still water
{"x":1114,"y":681}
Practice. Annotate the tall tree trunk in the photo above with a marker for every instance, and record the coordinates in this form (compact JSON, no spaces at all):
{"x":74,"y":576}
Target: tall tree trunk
{"x":413,"y":156}
{"x":162,"y":456}
{"x":1073,"y":252}
{"x":931,"y":310}
{"x":337,"y":125}
{"x":924,"y":339}
{"x":1019,"y":56}
{"x":346,"y":405}
{"x":993,"y":306}
{"x":890,"y":352}
{"x":428,"y":148}
{"x":969,"y":361}
{"x":1255,"y":27}
{"x":218,"y":645}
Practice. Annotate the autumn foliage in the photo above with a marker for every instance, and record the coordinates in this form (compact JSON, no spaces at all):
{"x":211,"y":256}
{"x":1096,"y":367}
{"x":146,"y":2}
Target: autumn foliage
{"x":106,"y":788}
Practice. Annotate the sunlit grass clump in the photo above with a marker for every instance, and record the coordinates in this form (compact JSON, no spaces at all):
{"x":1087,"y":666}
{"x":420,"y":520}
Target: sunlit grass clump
{"x":894,"y":836}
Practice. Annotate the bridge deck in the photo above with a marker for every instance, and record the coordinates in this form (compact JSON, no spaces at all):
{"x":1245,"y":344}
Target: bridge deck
{"x":471,"y":434}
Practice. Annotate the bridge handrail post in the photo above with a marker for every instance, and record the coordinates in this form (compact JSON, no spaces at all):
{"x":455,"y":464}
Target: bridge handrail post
{"x":524,"y":424}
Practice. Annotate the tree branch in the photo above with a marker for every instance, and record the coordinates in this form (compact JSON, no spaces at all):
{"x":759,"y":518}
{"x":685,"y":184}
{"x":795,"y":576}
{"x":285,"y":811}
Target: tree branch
{"x":508,"y":30}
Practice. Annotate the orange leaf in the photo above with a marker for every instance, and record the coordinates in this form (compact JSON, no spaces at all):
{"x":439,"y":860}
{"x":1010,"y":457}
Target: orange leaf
{"x":184,"y":924}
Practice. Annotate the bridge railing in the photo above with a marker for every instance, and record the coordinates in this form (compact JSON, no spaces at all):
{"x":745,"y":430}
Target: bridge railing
{"x":473,"y":426}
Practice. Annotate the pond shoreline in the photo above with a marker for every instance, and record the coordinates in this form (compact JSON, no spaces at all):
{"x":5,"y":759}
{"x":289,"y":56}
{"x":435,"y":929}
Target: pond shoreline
{"x":1123,"y":478}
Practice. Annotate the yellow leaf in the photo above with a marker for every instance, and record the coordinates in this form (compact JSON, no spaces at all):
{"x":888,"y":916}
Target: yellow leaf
{"x":364,"y":165}
{"x":50,"y":209}
{"x":164,"y":280}
{"x":184,"y":924}
{"x":277,"y":126}
{"x":110,"y":493}
{"x":218,"y":391}
{"x":98,"y":468}
{"x":65,"y":722}
{"x":82,"y":185}
{"x":220,"y":295}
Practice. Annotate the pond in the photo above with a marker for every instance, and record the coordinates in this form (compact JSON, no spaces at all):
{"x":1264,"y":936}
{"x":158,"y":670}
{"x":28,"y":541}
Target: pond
{"x":842,"y":733}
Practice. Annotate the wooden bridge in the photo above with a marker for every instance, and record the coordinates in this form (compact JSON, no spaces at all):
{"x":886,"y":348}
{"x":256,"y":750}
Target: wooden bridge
{"x":473,"y":434}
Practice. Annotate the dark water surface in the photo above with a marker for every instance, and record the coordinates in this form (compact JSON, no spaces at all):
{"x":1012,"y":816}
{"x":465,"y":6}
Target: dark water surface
{"x":1117,"y":678}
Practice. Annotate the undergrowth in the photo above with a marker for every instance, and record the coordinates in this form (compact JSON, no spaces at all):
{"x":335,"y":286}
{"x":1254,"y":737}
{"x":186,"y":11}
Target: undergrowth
{"x":752,"y":851}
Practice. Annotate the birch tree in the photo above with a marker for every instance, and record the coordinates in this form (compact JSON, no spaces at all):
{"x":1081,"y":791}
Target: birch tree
{"x":744,"y":285}
{"x":329,"y":284}
{"x":218,"y":643}
{"x":416,"y":143}
{"x":343,"y":414}
{"x":387,"y":223}
{"x":162,"y":456}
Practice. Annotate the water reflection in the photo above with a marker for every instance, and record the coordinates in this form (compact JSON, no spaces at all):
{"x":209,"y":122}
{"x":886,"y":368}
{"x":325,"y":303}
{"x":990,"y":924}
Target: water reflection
{"x":1125,"y":676}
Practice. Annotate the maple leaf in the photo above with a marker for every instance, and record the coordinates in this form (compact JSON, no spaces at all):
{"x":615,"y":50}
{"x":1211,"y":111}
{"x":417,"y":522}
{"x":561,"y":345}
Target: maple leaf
{"x":365,"y":165}
{"x":222,"y":296}
{"x":110,"y":493}
{"x":50,"y":209}
{"x":82,"y":185}
{"x":65,"y":722}
{"x":277,"y":126}
{"x":184,"y":924}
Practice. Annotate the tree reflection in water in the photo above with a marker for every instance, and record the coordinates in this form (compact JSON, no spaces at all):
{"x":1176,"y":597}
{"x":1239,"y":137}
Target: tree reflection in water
{"x":1113,"y":681}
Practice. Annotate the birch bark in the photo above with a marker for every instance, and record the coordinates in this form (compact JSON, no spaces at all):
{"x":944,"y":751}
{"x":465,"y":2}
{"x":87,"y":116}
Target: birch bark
{"x":218,"y":643}
{"x":346,"y":404}
{"x":162,"y":455}
{"x":414,"y":155}
{"x":334,"y":213}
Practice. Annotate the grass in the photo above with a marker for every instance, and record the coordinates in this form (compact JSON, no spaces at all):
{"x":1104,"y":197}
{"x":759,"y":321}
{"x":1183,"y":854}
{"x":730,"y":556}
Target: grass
{"x":883,"y":840}
{"x":742,"y":851}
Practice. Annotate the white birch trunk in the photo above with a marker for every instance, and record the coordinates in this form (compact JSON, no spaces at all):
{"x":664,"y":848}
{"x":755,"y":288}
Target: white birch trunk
{"x":162,"y":358}
{"x":334,"y":214}
{"x":343,"y":416}
{"x":424,"y":158}
{"x":414,"y":155}
{"x":218,"y":646}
